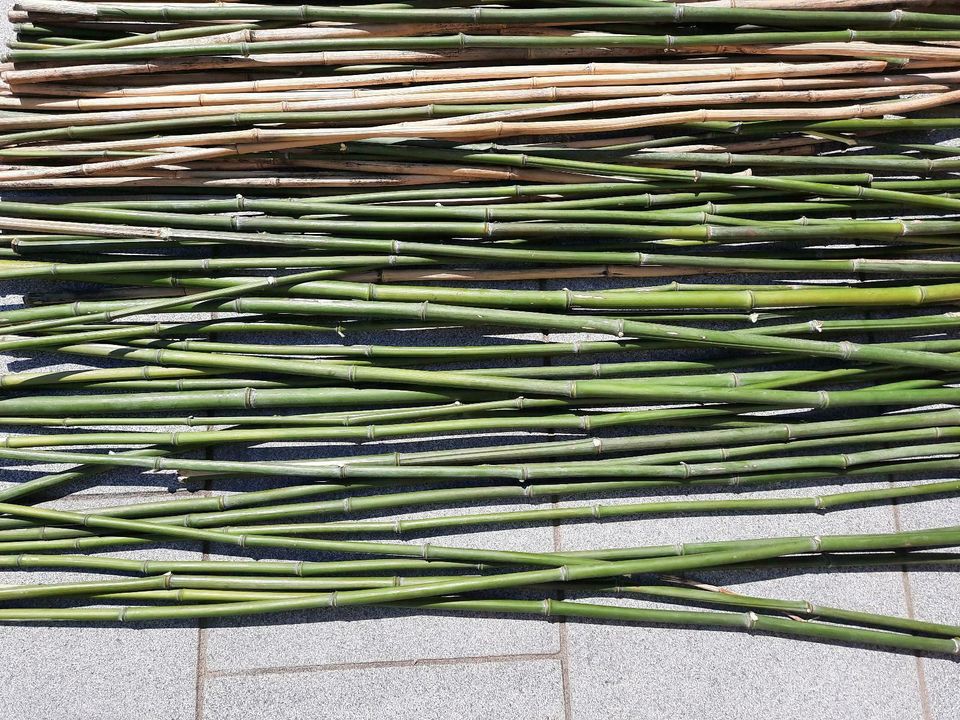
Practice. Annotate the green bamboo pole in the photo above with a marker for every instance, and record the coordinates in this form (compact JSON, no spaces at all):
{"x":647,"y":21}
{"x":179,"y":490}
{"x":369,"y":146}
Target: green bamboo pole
{"x":717,"y":596}
{"x":256,"y":506}
{"x":198,"y":589}
{"x":666,"y":14}
{"x":617,"y":327}
{"x":231,"y":567}
{"x":45,"y":483}
{"x":817,"y":187}
{"x":748,"y":621}
{"x":522,"y":472}
{"x":939,"y":268}
{"x":721,"y":437}
{"x":479,"y":227}
{"x":158,"y":305}
{"x":596,"y":511}
{"x":599,"y":511}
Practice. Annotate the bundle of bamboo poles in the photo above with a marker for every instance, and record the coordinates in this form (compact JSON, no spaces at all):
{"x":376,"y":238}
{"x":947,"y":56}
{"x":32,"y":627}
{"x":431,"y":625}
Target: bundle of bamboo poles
{"x":739,"y":204}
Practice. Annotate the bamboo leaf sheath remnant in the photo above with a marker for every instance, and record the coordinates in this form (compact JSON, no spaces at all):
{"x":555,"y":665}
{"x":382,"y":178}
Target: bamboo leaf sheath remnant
{"x":629,"y":260}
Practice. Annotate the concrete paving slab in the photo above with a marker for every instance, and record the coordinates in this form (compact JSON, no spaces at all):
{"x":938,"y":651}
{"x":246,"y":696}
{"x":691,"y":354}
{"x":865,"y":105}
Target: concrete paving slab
{"x":98,"y":672}
{"x":497,"y":690}
{"x":933,"y":594}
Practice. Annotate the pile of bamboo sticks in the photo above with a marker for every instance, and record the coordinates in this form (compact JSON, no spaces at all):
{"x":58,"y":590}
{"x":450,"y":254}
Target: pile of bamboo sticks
{"x":749,"y":188}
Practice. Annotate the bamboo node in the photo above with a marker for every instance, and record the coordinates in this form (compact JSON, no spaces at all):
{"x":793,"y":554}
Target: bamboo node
{"x":817,"y":543}
{"x":564,"y":573}
{"x":298,"y":568}
{"x":847,"y":349}
{"x":956,"y":646}
{"x":122,"y":613}
{"x":823,"y":399}
{"x":750,"y":620}
{"x":249,"y":398}
{"x":347,"y":505}
{"x":425,"y":551}
{"x":333,"y":599}
{"x":548,"y":611}
{"x":818,"y":503}
{"x":595,"y":512}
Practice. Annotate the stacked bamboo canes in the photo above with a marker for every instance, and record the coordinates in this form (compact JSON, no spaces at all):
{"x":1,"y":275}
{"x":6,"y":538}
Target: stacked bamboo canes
{"x":737,"y":178}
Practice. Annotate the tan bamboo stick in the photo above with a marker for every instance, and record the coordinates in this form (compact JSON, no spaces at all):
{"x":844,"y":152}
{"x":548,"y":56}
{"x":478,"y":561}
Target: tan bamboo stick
{"x":487,"y":130}
{"x":810,"y":4}
{"x":442,"y":173}
{"x":329,"y":32}
{"x":850,"y":49}
{"x":48,"y":73}
{"x":257,"y":140}
{"x":625,"y":104}
{"x":527,"y":90}
{"x":559,"y":273}
{"x":216,"y":178}
{"x":803,"y":145}
{"x":230,"y":181}
{"x":622,"y":98}
{"x":450,"y":172}
{"x":595,"y":72}
{"x":627,"y":84}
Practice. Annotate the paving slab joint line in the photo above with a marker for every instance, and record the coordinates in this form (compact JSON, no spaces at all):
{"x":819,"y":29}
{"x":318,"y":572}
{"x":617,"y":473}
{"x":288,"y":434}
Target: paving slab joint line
{"x":375,"y":664}
{"x":562,"y":630}
{"x":922,"y":687}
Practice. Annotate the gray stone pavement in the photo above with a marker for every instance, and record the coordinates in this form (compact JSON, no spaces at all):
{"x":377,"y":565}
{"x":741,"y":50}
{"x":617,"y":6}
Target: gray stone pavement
{"x":364,"y":664}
